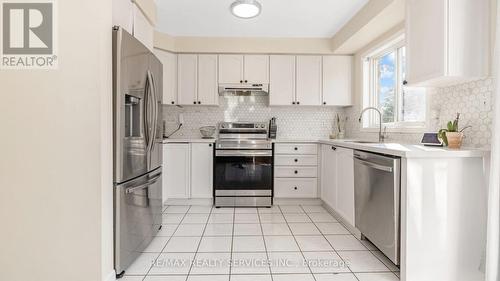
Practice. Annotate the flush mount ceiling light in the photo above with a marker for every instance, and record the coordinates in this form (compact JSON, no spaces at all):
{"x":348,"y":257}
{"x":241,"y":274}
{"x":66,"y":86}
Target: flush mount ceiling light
{"x":246,"y":9}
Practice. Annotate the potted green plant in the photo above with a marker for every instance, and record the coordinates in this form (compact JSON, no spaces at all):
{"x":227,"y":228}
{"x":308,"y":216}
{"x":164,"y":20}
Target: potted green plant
{"x":452,"y":136}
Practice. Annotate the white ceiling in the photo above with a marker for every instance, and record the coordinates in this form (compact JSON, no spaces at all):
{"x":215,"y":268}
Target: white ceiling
{"x":279,"y":18}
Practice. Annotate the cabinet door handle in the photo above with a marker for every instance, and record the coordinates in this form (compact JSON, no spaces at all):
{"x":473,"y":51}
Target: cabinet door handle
{"x":324,"y":103}
{"x":194,"y":102}
{"x":295,"y":148}
{"x":241,"y":81}
{"x":296,"y":160}
{"x":246,"y":81}
{"x":295,"y":188}
{"x":334,"y":148}
{"x":293,"y":102}
{"x":199,"y":102}
{"x":296,"y":172}
{"x":210,"y":145}
{"x":173,"y":102}
{"x":298,"y":102}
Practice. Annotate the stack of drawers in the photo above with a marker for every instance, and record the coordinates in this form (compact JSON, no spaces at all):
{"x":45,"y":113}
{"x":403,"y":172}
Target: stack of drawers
{"x":296,"y":170}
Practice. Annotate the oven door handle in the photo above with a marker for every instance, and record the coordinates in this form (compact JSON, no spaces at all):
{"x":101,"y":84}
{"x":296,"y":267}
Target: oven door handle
{"x":243,"y":153}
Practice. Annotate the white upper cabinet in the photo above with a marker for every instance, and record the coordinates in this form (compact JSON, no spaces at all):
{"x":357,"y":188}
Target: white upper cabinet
{"x":169,"y":62}
{"x":308,"y":80}
{"x":202,"y":156}
{"x":207,"y":80}
{"x":243,"y":69}
{"x":256,"y":69}
{"x":187,"y":77}
{"x":282,"y":80}
{"x":231,"y":68}
{"x":337,"y":80}
{"x":447,"y":41}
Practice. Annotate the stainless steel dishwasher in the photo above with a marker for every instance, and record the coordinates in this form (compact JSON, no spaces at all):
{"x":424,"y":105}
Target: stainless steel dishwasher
{"x":377,"y":185}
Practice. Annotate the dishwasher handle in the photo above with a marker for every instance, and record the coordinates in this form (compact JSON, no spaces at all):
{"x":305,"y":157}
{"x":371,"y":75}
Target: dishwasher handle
{"x":374,"y":165}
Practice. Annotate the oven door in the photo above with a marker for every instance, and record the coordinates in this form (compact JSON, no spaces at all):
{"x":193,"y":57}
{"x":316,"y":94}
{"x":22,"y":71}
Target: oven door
{"x":243,"y":172}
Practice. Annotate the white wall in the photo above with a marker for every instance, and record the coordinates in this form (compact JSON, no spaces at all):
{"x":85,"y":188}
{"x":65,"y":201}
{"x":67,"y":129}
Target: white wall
{"x":55,"y":164}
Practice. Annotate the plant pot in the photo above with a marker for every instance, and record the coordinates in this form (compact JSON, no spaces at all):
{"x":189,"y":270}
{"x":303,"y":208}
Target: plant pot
{"x":454,"y":139}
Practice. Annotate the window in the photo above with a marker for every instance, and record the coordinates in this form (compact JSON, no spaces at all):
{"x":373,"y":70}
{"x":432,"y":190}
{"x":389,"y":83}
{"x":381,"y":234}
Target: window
{"x":384,"y":76}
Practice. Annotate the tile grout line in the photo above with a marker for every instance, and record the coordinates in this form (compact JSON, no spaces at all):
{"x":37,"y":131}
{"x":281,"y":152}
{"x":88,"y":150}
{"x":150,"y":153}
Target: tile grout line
{"x":151,"y":267}
{"x":232,"y":242}
{"x":265,"y":245}
{"x":298,"y":246}
{"x":323,"y":235}
{"x":199,"y":243}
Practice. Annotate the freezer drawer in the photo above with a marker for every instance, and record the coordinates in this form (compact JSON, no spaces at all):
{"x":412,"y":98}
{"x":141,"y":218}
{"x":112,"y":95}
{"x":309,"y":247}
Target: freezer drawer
{"x":138,"y":208}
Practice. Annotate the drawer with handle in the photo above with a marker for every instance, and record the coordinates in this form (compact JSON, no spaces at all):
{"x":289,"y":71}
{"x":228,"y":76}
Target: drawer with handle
{"x":296,"y":160}
{"x":295,"y":188}
{"x":296,"y":148}
{"x":295,"y":172}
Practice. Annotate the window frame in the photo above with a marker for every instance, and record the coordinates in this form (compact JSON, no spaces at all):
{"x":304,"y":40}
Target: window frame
{"x":370,"y":88}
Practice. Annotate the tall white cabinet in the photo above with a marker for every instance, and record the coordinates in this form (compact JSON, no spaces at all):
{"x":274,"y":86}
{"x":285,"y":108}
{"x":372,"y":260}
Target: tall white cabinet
{"x":447,"y":41}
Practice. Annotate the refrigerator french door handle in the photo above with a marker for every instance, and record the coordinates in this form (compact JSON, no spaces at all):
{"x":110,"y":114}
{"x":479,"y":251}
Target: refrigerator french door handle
{"x":150,"y":123}
{"x":144,"y":185}
{"x":146,"y":113}
{"x":152,"y":88}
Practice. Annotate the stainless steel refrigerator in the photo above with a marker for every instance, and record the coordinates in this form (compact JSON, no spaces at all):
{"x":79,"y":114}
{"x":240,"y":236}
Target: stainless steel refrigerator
{"x":137,"y":99}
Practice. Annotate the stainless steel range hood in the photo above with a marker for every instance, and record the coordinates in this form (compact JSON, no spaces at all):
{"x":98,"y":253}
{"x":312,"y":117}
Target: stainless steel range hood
{"x":243,"y":89}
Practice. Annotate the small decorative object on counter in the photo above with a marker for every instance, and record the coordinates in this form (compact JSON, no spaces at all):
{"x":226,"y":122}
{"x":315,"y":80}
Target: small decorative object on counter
{"x":339,"y":125}
{"x":207,"y":131}
{"x":452,"y":136}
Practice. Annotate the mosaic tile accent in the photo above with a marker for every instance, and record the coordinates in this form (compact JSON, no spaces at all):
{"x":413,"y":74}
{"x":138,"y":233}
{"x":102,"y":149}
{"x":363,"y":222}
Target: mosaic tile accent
{"x":293,"y":122}
{"x":472,"y":99}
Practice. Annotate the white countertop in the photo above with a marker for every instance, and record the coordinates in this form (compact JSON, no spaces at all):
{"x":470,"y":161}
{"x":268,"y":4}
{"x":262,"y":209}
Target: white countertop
{"x":389,"y":148}
{"x":398,"y":149}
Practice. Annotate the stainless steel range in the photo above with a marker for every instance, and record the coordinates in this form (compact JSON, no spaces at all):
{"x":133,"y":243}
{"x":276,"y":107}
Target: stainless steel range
{"x":243,"y":169}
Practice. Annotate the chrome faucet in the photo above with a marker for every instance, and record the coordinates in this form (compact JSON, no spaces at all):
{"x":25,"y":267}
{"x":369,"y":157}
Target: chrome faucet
{"x":381,"y":136}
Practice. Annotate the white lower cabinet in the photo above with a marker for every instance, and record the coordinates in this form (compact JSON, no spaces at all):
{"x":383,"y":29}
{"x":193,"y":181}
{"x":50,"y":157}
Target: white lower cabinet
{"x":337,"y":180}
{"x":202,"y":159}
{"x":187,"y":171}
{"x":345,"y":184}
{"x":329,"y":175}
{"x":296,"y":170}
{"x":296,"y":188}
{"x":176,"y":174}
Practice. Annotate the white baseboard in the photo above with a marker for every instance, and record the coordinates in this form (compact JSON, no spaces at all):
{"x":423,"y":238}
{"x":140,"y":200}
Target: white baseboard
{"x":111,"y":276}
{"x":351,"y":228}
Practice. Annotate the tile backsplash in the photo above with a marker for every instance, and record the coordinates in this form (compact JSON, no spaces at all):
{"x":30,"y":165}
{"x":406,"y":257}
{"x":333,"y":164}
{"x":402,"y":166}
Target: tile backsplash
{"x":472,"y":100}
{"x":293,"y":122}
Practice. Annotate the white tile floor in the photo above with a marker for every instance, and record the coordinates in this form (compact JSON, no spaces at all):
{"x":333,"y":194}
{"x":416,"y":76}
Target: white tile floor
{"x":282,"y":243}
